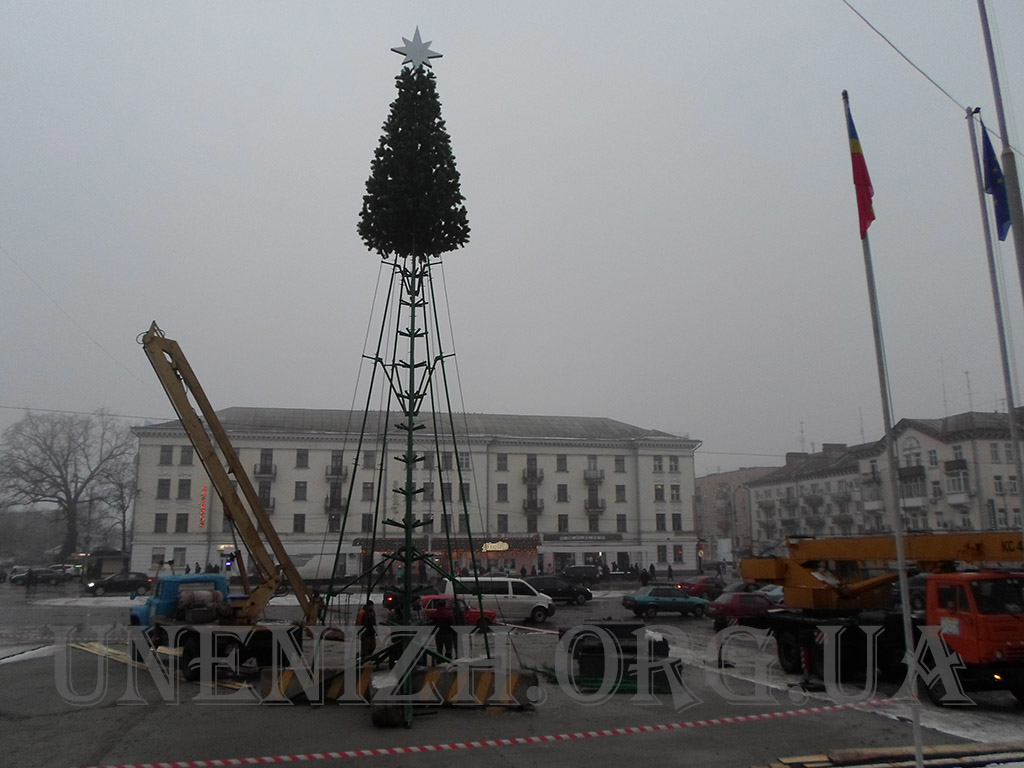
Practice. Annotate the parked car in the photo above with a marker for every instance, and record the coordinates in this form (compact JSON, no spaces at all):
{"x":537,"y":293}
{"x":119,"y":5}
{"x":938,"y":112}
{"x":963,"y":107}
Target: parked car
{"x":651,"y":600}
{"x":773,"y":592}
{"x":510,"y":598}
{"x":124,"y":582}
{"x":708,"y":587}
{"x":735,"y":605}
{"x":63,"y":572}
{"x":470,"y":616}
{"x":558,"y":588}
{"x":19,"y":576}
{"x":742,"y":586}
{"x":581,"y":574}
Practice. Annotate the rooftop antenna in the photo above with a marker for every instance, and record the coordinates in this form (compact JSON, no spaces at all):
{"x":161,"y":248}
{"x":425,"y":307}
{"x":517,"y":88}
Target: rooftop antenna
{"x":942,"y":373}
{"x":860,"y":412}
{"x":970,"y":397}
{"x":803,"y":445}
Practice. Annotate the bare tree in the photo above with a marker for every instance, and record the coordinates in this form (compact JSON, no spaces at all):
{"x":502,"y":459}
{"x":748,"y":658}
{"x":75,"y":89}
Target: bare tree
{"x":64,"y":460}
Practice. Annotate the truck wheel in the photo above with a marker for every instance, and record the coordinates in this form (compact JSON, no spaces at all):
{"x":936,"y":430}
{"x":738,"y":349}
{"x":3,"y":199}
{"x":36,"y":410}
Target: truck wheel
{"x":789,"y":653}
{"x":538,"y":615}
{"x":189,"y":653}
{"x":651,"y":612}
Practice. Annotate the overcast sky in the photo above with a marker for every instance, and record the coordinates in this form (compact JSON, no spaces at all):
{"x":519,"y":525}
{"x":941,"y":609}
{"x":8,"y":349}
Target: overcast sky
{"x":664,"y":227}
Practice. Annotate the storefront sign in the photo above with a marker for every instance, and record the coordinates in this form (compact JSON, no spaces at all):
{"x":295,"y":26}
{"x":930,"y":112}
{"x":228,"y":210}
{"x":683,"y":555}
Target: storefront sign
{"x":495,"y":546}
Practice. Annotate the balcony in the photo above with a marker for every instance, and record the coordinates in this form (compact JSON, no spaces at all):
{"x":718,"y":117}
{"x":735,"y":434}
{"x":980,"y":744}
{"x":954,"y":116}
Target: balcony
{"x":844,"y":518}
{"x":336,"y":472}
{"x":813,"y":500}
{"x":817,"y":522}
{"x":876,"y":505}
{"x":914,"y":502}
{"x":790,"y":525}
{"x":593,"y":476}
{"x":268,"y":503}
{"x":841,"y":497}
{"x":766,"y":504}
{"x":789,"y":502}
{"x":533,"y":506}
{"x":594,"y":505}
{"x":333,"y":505}
{"x":533,"y":476}
{"x":959,"y":498}
{"x":264,"y":471}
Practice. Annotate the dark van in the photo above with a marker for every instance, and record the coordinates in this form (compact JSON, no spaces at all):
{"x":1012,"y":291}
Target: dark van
{"x":582,"y":574}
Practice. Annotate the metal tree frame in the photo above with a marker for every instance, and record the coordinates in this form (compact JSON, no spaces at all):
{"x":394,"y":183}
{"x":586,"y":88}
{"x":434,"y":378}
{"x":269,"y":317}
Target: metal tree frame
{"x":410,"y":384}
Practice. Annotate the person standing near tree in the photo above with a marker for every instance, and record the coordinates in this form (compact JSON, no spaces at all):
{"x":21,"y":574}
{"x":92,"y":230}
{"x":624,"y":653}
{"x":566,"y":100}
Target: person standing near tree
{"x":367,"y":622}
{"x":444,"y":632}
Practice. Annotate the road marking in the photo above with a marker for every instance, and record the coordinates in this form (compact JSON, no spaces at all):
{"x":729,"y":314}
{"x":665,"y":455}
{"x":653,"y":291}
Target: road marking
{"x":507,"y":742}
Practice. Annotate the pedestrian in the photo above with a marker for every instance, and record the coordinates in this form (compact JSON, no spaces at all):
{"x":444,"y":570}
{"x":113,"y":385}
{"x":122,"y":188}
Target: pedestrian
{"x":367,"y":622}
{"x":30,"y":581}
{"x":644,"y":578}
{"x":522,"y":571}
{"x":444,"y":629}
{"x":653,"y":572}
{"x":199,"y":568}
{"x":188,"y":569}
{"x":670,"y":573}
{"x":533,"y":570}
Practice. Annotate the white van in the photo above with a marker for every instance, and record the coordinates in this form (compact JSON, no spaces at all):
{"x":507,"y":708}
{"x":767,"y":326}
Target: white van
{"x":512,"y":599}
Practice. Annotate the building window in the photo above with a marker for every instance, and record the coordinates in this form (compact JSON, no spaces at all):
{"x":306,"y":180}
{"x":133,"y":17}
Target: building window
{"x":502,"y":523}
{"x":428,"y":524}
{"x":186,"y":455}
{"x":662,"y":553}
{"x":620,"y":523}
{"x":659,"y":521}
{"x":677,"y":522}
{"x":264,"y":493}
{"x":446,"y":491}
{"x":225,"y":524}
{"x":266,"y":461}
{"x":673,"y":463}
{"x":658,"y":466}
{"x":620,"y":463}
{"x":531,"y":523}
{"x":594,"y":524}
{"x":428,"y":461}
{"x":1008,"y":453}
{"x":620,"y":493}
{"x":181,"y":522}
{"x":334,"y":523}
{"x":956,"y":482}
{"x":157,"y":557}
{"x":562,"y":493}
{"x":561,"y":463}
{"x":933,"y":458}
{"x":677,"y":553}
{"x":163,"y":488}
{"x":563,"y":523}
{"x":368,"y":491}
{"x":334,"y":498}
{"x":300,"y":491}
{"x":1012,"y":483}
{"x":366,"y":523}
{"x":659,"y":492}
{"x":446,"y":461}
{"x":993,"y":452}
{"x":958,"y":453}
{"x":428,"y":492}
{"x":674,"y":493}
{"x":299,"y":524}
{"x":160,"y":522}
{"x":184,"y":488}
{"x":463,"y":524}
{"x":302,"y":458}
{"x":369,"y":459}
{"x":464,"y":463}
{"x":502,"y":462}
{"x":998,"y":482}
{"x":166,"y":455}
{"x":464,"y":492}
{"x":592,"y":463}
{"x":502,"y":492}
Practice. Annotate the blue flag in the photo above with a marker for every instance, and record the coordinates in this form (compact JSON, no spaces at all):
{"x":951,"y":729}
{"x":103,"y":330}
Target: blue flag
{"x":995,"y":185}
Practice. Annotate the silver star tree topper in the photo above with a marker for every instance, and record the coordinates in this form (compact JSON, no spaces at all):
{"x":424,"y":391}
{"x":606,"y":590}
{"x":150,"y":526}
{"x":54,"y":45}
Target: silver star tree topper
{"x":416,"y":51}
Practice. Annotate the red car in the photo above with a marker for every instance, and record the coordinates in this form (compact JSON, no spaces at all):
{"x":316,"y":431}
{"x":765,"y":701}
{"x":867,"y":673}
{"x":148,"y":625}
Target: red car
{"x":470,"y":616}
{"x":708,"y":587}
{"x":735,"y":605}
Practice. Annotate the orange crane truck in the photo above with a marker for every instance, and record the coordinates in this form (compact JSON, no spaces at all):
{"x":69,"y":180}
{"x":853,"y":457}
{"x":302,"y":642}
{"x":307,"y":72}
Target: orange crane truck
{"x":847,"y":583}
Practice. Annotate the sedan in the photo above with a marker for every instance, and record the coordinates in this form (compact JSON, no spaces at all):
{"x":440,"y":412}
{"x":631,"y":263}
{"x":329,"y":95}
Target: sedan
{"x":736,"y":605}
{"x":139,"y":583}
{"x":774,"y":593}
{"x":708,"y":587}
{"x":651,"y":600}
{"x":558,"y":588}
{"x":470,"y":616}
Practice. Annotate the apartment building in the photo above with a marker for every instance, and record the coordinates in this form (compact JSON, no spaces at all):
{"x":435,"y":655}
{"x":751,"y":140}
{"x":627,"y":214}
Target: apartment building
{"x":511,"y":491}
{"x":956,"y":472}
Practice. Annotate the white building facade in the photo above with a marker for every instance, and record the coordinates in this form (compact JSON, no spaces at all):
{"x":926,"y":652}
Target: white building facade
{"x":540,"y":492}
{"x":955,"y":473}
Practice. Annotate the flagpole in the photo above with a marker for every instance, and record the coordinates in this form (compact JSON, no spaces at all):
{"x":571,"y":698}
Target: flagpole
{"x":893,"y":505}
{"x":997,"y":304}
{"x":1009,"y":163}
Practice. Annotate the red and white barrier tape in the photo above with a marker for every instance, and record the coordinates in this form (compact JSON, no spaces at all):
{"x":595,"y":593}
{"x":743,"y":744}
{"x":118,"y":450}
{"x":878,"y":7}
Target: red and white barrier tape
{"x":508,"y":742}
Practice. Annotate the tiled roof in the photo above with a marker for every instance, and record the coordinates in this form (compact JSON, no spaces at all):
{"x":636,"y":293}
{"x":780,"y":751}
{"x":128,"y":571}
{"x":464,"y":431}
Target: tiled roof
{"x":468,"y":424}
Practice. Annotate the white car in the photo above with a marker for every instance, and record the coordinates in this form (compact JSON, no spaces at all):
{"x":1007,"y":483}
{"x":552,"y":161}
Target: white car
{"x":509,"y":598}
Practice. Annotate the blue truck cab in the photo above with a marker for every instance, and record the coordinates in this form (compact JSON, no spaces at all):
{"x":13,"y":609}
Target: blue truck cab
{"x":188,"y":598}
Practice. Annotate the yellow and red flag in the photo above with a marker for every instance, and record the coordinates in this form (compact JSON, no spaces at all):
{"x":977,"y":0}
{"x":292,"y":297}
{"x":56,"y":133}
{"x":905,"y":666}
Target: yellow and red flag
{"x":861,"y":178}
